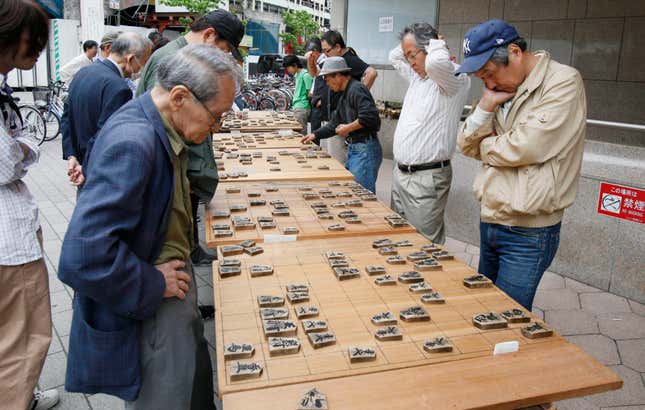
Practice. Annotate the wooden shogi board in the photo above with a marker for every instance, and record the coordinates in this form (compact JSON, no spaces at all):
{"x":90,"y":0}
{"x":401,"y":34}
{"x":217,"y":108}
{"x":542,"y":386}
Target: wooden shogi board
{"x":226,"y":141}
{"x":261,"y":121}
{"x":404,"y":375}
{"x":302,"y":216}
{"x":290,"y":169}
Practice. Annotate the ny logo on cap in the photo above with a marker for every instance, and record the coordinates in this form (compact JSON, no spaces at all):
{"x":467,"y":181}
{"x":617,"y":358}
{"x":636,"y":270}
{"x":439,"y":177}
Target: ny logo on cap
{"x":466,"y":46}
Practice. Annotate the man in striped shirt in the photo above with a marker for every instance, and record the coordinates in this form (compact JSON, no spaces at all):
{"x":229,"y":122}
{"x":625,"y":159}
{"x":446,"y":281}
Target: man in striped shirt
{"x":426,"y":134}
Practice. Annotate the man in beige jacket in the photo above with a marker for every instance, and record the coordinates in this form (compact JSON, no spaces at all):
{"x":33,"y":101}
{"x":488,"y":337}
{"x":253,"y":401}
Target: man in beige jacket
{"x":528,"y":131}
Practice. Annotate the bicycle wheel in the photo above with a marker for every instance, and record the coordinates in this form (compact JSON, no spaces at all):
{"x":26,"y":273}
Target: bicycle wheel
{"x":33,"y":123}
{"x":52,"y":122}
{"x":266,"y":104}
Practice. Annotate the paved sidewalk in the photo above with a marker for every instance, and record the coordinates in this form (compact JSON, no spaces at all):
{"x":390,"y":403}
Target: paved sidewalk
{"x":609,"y":327}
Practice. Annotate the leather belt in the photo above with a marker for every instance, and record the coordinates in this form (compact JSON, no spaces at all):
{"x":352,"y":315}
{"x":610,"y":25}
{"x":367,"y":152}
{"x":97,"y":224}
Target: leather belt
{"x":358,"y":139}
{"x":421,"y":167}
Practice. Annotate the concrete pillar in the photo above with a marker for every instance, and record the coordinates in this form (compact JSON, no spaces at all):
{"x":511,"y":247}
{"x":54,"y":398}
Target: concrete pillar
{"x":338,"y":20}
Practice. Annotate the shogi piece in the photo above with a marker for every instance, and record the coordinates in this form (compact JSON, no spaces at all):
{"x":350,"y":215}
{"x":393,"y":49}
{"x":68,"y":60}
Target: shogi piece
{"x":369,"y":197}
{"x":442,"y":255}
{"x":233,"y":190}
{"x":230,"y":262}
{"x":336,"y":227}
{"x":254,"y":250}
{"x":270,"y":301}
{"x":387,"y":250}
{"x":228,"y":271}
{"x":338,"y":263}
{"x":238,"y":351}
{"x":361,"y":354}
{"x":283,"y":345}
{"x":244,"y":371}
{"x":249,"y":243}
{"x":222,"y":233}
{"x":354,"y":220}
{"x":265,"y":219}
{"x":274,"y":313}
{"x":297,"y":288}
{"x":347,"y":214}
{"x":536,"y":330}
{"x":421,"y":287}
{"x":237,"y":208}
{"x":384,"y":319}
{"x":314,"y":325}
{"x":429,"y":264}
{"x":395,"y":260}
{"x":243,"y":225}
{"x":388,"y":333}
{"x":297,"y":297}
{"x":325,"y":216}
{"x":258,"y":202}
{"x":375,"y":270}
{"x":433,"y":298}
{"x":354,"y":203}
{"x":417,"y":256}
{"x":221,"y":227}
{"x":346,"y":273}
{"x":490,"y":320}
{"x":515,"y":316}
{"x":334,"y":255}
{"x":379,"y":243}
{"x":290,"y":230}
{"x":254,"y":194}
{"x":279,"y":327}
{"x":220,"y":214}
{"x":411,"y":277}
{"x":321,"y":339}
{"x":385,"y":280}
{"x":267,"y":225}
{"x":306,"y":311}
{"x":230,"y":250}
{"x":414,"y":314}
{"x":323,"y":167}
{"x":271,"y":189}
{"x":432,"y":247}
{"x":438,"y":345}
{"x":260,"y":270}
{"x":313,"y":400}
{"x":404,"y":243}
{"x":477,"y":281}
{"x":280,"y":212}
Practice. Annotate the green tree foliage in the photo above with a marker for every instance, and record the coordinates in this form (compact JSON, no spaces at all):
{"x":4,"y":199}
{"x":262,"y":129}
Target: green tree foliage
{"x":300,"y":24}
{"x":198,"y":7}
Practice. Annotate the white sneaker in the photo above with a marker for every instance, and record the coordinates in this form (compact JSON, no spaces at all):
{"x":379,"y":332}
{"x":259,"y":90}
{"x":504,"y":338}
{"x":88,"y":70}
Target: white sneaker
{"x":44,"y":399}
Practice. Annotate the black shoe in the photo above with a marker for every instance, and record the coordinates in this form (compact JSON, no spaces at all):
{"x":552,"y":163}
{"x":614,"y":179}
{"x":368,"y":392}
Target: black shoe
{"x":207,"y":311}
{"x":200,"y":257}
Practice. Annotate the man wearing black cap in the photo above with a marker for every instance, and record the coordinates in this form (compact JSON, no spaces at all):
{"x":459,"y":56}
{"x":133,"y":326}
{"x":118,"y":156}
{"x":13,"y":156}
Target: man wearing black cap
{"x":528,"y":130}
{"x":223,"y":30}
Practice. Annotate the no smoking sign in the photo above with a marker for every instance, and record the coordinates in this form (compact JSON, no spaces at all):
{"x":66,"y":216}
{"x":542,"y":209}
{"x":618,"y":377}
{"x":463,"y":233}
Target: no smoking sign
{"x":622,"y":202}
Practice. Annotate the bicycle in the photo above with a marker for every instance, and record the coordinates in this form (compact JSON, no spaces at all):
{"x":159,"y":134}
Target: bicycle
{"x":50,"y":104}
{"x":33,"y":122}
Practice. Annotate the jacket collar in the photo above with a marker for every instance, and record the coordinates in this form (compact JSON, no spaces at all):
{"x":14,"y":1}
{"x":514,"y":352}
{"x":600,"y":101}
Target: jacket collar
{"x":112,"y":66}
{"x":536,"y":76}
{"x":152,"y":114}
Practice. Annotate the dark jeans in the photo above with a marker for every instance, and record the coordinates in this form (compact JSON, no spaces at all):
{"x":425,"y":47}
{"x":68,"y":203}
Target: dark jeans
{"x":515,"y":258}
{"x":363,"y":161}
{"x":315,"y":118}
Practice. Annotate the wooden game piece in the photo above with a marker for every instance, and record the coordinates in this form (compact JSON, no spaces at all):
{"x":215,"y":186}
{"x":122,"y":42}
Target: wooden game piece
{"x":344,"y":273}
{"x":238,"y":351}
{"x":270,"y":301}
{"x":260,"y":270}
{"x":237,"y":208}
{"x":490,"y":320}
{"x":338,"y":263}
{"x":271,"y":189}
{"x":334,"y":255}
{"x":361,"y":354}
{"x":323,"y":167}
{"x":220,"y":214}
{"x":397,"y":223}
{"x":343,"y":194}
{"x":283,"y":345}
{"x":337,"y":204}
{"x":515,"y":316}
{"x":410,"y":277}
{"x":354,"y":203}
{"x":227,"y":271}
{"x":306,"y":311}
{"x":536,"y":330}
{"x":221,"y":227}
{"x":274,"y":327}
{"x":388,"y":333}
{"x":297,"y":297}
{"x":313,"y":400}
{"x":442,"y":255}
{"x":229,"y":250}
{"x":222,"y":233}
{"x":275,"y":169}
{"x":334,"y":183}
{"x":280,"y":212}
{"x":240,"y":225}
{"x":254,"y":194}
{"x":249,"y":243}
{"x":257,"y":202}
{"x":230,"y":262}
{"x":243,"y":371}
{"x":414,"y":314}
{"x":477,"y":281}
{"x":336,"y":227}
{"x":254,"y":250}
{"x":325,"y":216}
{"x":290,"y":230}
{"x":384,"y":318}
{"x":353,"y":220}
{"x":321,"y":339}
{"x":307,"y":196}
{"x":379,"y":243}
{"x":233,"y":189}
{"x":428,"y":265}
{"x":303,"y":187}
{"x":329,"y":196}
{"x":314,"y":325}
{"x":347,"y":214}
{"x":369,"y":197}
{"x":395,"y":260}
{"x":265,"y":219}
{"x":421,"y":287}
{"x":433,"y":298}
{"x":385,"y":280}
{"x":274,"y":313}
{"x":404,"y":243}
{"x":374,"y":270}
{"x":417,"y":256}
{"x":388,"y":250}
{"x":298,"y":288}
{"x":438,"y":345}
{"x":267,"y":225}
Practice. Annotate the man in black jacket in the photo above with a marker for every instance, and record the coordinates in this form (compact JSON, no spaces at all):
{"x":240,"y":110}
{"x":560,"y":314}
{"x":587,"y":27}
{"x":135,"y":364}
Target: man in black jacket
{"x":356,"y":118}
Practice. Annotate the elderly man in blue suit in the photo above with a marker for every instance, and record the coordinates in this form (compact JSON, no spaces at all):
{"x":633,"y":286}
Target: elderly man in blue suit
{"x":97,"y":91}
{"x":136,"y":331}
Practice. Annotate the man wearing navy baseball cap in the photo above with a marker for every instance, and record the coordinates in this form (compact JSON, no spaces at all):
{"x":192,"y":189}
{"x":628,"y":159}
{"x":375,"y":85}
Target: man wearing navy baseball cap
{"x":528,"y":130}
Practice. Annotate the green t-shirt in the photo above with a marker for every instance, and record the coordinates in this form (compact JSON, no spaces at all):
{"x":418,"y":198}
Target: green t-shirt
{"x":301,"y":93}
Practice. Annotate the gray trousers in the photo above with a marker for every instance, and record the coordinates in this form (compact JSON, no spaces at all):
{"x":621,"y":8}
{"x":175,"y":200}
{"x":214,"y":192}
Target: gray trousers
{"x":176,"y":366}
{"x":302,"y":116}
{"x":336,"y":147}
{"x":421,"y":198}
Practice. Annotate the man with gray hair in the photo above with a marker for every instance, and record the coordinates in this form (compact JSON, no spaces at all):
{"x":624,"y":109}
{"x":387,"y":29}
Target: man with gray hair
{"x":99,"y":93}
{"x":136,"y":331}
{"x":426,"y":133}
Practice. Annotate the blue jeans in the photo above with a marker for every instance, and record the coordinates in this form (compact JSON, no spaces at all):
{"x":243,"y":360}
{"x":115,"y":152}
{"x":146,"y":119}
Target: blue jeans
{"x":515,"y":258}
{"x":363,"y":161}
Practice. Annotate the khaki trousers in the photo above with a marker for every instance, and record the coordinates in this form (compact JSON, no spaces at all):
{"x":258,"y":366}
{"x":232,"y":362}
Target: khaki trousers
{"x":25,"y":331}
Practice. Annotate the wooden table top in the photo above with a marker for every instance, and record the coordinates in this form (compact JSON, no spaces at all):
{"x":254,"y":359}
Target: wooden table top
{"x":228,"y":142}
{"x":261,"y":121}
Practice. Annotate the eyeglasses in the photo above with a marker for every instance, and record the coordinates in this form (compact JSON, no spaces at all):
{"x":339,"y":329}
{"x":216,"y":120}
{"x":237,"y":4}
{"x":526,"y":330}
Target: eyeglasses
{"x":410,"y":57}
{"x":326,"y":50}
{"x":217,"y":119}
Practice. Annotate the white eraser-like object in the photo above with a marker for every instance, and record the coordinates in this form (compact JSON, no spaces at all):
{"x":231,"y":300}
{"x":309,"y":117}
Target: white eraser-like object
{"x":506,"y":347}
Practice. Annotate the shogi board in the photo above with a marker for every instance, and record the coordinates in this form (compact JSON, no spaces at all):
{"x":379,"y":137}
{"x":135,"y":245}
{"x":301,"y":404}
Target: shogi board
{"x":290,"y":169}
{"x":301,"y":215}
{"x":256,"y":140}
{"x":261,"y":121}
{"x":397,"y":375}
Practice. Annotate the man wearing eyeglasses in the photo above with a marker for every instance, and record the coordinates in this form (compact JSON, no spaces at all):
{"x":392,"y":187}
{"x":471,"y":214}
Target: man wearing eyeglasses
{"x":426,"y":133}
{"x":136,"y":330}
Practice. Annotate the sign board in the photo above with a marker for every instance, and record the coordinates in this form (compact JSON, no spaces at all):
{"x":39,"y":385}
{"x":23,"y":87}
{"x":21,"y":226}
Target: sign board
{"x":622,"y":202}
{"x":115,"y":4}
{"x":386,"y":24}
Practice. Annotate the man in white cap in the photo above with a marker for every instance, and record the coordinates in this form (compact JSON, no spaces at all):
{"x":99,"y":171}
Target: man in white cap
{"x":356,"y":118}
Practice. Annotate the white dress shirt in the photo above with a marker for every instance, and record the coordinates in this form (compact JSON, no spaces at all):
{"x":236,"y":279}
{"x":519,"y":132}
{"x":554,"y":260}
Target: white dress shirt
{"x":429,"y":120}
{"x":69,"y":70}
